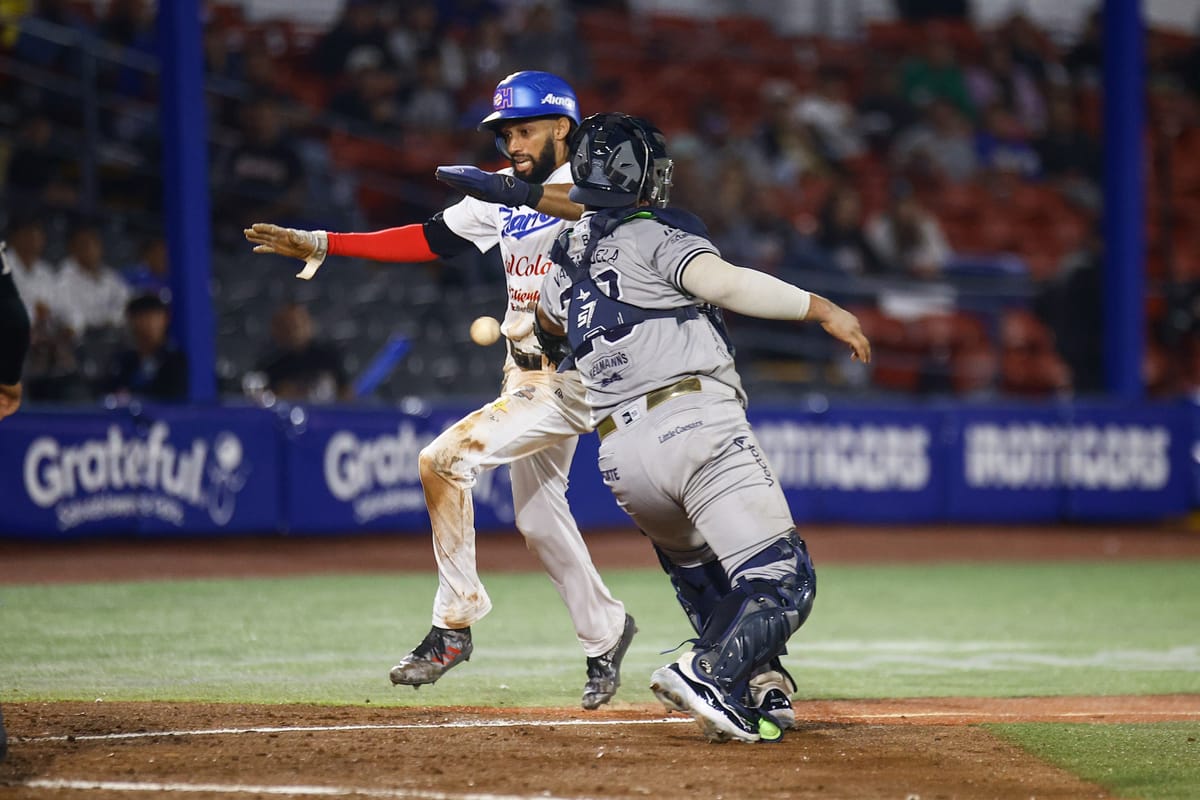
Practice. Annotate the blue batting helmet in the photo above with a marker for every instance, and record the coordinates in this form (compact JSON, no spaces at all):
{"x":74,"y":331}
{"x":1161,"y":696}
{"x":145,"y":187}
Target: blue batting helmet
{"x":531,"y":94}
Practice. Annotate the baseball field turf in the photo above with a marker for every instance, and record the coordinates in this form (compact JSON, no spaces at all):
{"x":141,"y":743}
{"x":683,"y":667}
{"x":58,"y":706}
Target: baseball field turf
{"x":957,"y":630}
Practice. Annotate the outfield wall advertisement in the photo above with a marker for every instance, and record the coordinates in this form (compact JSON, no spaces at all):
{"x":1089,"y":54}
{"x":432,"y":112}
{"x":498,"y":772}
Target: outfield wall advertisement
{"x":169,"y":470}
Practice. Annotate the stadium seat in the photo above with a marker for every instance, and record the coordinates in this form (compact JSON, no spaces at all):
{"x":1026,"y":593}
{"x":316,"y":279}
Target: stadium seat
{"x":897,"y":372}
{"x":1021,"y":330}
{"x":894,"y":38}
{"x":955,"y":331}
{"x":1033,"y":374}
{"x":974,"y":369}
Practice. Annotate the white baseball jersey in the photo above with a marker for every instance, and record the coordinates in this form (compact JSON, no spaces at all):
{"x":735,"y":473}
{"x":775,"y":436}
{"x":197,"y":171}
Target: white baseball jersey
{"x":533,"y":426}
{"x":525,"y":237}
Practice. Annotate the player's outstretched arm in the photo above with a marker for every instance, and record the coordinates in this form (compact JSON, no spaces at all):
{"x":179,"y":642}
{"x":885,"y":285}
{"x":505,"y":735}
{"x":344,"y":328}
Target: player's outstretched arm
{"x":268,"y":238}
{"x":311,"y":247}
{"x":509,"y":190}
{"x":10,"y":399}
{"x":555,"y":202}
{"x":841,"y":325}
{"x":757,"y":294}
{"x":410,"y":243}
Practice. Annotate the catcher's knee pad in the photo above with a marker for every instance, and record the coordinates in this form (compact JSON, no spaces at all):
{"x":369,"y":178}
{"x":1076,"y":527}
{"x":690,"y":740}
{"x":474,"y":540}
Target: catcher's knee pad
{"x":771,"y":598}
{"x":784,"y":562}
{"x":699,"y":589}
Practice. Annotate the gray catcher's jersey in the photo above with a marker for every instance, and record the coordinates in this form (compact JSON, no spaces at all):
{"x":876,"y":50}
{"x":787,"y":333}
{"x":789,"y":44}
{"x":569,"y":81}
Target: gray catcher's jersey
{"x":642,"y":263}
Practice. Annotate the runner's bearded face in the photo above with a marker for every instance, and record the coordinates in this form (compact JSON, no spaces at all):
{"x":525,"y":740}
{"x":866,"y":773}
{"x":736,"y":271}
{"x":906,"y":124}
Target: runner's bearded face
{"x":530,"y":145}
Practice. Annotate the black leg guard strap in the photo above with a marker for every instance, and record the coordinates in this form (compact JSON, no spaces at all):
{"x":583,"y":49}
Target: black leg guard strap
{"x":699,"y":589}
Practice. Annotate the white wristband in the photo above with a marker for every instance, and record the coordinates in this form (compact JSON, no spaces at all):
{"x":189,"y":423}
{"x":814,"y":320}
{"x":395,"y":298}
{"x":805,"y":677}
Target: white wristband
{"x":314,"y":262}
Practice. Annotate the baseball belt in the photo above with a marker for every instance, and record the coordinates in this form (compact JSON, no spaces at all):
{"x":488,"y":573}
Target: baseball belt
{"x":526,"y":361}
{"x":653,"y":399}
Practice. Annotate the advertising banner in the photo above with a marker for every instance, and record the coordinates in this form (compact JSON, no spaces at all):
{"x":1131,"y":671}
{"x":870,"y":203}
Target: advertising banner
{"x":1003,"y":465}
{"x":1127,"y":463}
{"x":1074,"y":461}
{"x":157,"y":470}
{"x":177,"y":470}
{"x":358,"y":470}
{"x":856,"y":464}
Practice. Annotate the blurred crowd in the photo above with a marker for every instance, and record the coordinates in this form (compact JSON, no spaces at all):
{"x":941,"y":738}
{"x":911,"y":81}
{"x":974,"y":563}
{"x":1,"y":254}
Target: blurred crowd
{"x":941,"y":180}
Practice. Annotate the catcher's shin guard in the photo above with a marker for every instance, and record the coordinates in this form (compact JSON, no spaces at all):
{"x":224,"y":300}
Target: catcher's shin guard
{"x":772,"y":597}
{"x":699,"y":589}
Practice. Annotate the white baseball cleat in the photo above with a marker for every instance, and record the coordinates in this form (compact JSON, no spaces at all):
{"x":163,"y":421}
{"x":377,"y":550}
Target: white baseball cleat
{"x":681,"y":688}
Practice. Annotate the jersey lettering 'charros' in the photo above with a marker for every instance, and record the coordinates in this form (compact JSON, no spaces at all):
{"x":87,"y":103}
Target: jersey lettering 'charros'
{"x":525,"y":237}
{"x":642,"y":263}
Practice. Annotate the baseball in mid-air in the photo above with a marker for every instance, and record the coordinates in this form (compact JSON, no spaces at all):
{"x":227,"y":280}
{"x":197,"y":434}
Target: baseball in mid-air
{"x":485,"y":331}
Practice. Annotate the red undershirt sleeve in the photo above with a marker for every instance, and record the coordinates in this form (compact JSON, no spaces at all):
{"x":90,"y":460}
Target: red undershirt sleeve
{"x":406,"y":244}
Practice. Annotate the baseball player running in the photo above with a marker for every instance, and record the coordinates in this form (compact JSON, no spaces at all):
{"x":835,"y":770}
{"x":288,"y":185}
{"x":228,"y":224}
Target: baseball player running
{"x":14,"y":346}
{"x":630,"y":300}
{"x":535,"y":423}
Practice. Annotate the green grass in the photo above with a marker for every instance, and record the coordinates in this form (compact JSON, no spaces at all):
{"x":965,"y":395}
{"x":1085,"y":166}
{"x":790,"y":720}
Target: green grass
{"x":1004,"y":630}
{"x":877,"y":631}
{"x":1151,"y":762}
{"x":880,"y":631}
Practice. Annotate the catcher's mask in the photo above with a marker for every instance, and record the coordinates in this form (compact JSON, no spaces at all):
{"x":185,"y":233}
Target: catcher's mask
{"x":618,"y":160}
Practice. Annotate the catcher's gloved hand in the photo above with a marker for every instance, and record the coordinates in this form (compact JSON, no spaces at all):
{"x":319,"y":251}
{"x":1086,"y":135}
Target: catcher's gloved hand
{"x":309,"y":246}
{"x":555,"y":347}
{"x":491,"y":187}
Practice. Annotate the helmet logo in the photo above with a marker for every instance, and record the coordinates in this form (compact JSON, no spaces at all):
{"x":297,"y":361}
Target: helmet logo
{"x":557,"y":100}
{"x":503,"y":98}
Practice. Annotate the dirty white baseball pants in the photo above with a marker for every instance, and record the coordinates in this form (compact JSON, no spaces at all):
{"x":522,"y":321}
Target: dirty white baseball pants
{"x":534,"y":426}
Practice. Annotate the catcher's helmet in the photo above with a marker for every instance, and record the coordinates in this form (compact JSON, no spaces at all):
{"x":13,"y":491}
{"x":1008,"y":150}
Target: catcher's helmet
{"x":618,"y":160}
{"x":527,"y":94}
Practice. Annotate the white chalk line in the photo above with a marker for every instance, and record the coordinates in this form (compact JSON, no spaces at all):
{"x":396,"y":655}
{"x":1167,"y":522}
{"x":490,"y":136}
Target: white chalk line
{"x":481,"y":723}
{"x":287,"y":791}
{"x":986,"y":716}
{"x":978,"y":716}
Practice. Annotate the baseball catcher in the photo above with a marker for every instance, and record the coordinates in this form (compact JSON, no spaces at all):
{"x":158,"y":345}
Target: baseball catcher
{"x":635,"y":292}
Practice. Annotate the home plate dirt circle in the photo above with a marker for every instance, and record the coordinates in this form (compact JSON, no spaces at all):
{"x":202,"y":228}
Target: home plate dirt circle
{"x":875,"y":749}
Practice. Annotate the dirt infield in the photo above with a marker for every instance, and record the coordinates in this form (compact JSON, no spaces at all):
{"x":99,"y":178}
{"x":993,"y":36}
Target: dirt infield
{"x":865,"y":750}
{"x":896,"y":749}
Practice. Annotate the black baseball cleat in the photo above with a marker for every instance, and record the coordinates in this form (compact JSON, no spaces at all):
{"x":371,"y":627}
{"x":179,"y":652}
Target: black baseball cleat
{"x":604,"y":670}
{"x":681,"y":688}
{"x":440,"y":650}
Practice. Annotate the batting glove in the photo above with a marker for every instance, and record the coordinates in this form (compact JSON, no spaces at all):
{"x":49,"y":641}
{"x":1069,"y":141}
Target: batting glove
{"x":491,"y":187}
{"x":309,"y":246}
